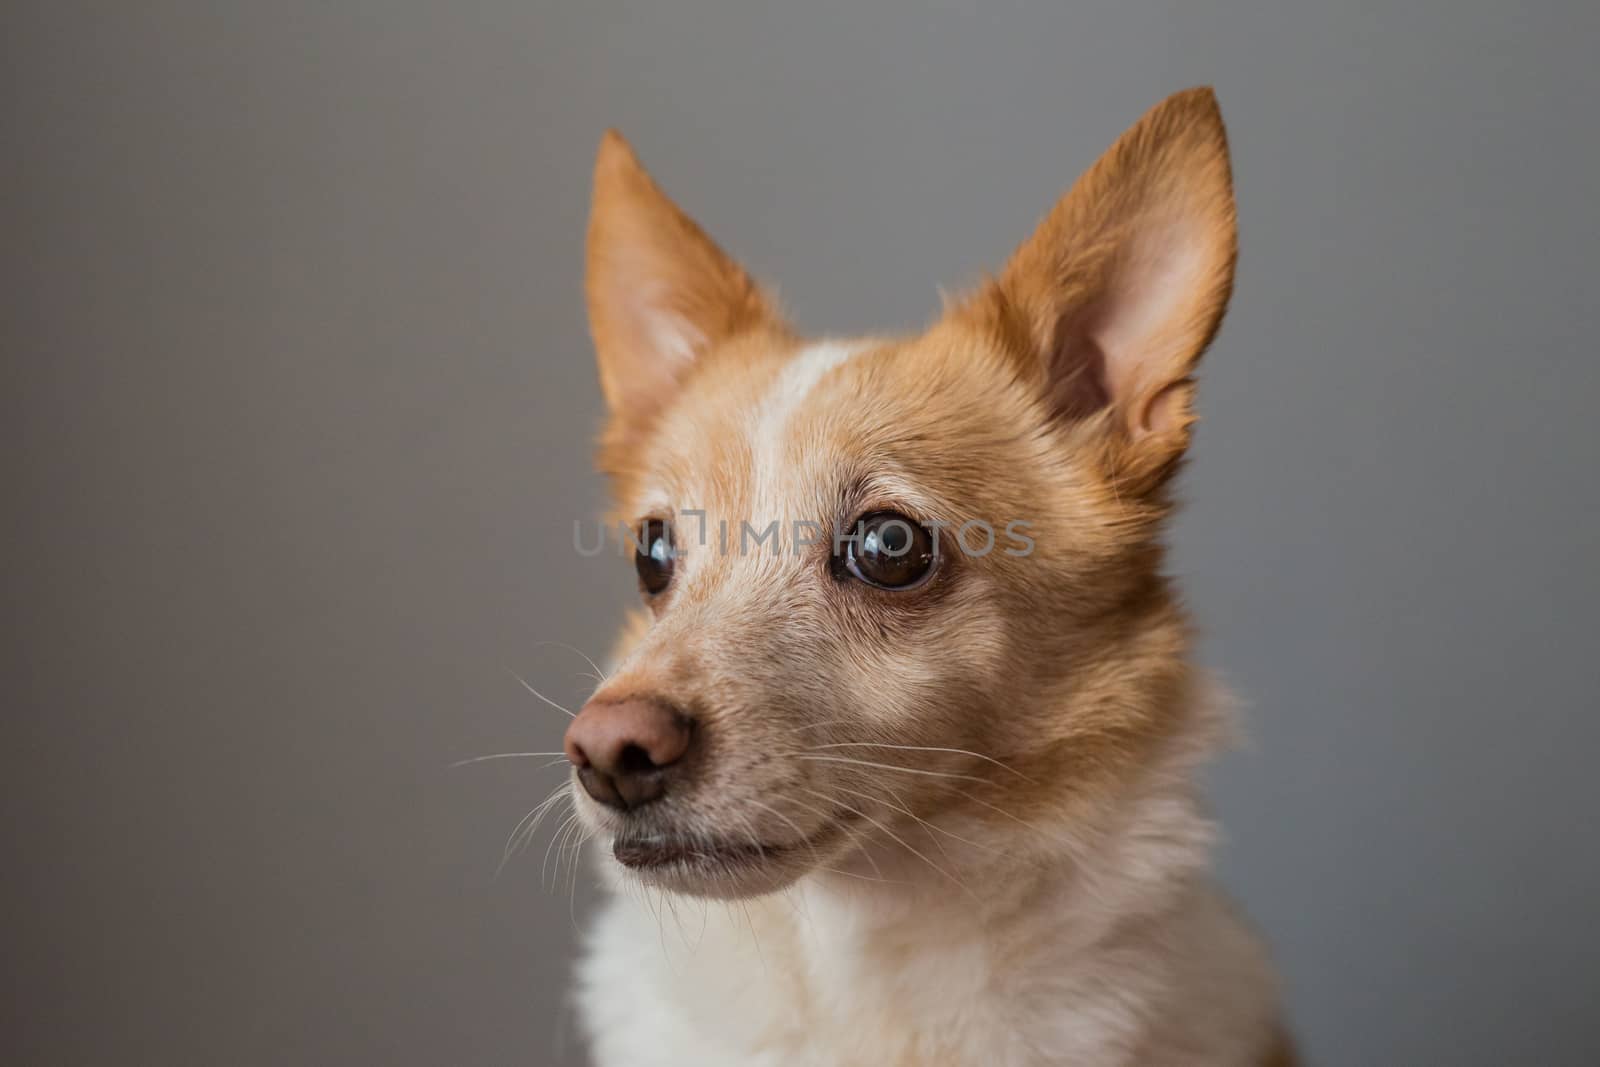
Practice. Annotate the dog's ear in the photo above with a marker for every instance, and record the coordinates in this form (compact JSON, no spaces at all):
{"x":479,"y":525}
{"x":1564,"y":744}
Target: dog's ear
{"x":660,"y":291}
{"x":1122,"y":286}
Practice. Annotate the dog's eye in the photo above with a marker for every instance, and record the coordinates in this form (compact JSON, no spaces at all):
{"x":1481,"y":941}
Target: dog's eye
{"x":653,"y":557}
{"x":890,"y":551}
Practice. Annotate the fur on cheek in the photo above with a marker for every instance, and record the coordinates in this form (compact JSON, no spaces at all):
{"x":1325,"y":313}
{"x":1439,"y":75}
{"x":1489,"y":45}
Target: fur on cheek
{"x":927,"y":670}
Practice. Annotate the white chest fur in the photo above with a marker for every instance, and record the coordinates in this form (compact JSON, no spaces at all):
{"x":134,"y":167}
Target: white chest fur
{"x":1121,"y":954}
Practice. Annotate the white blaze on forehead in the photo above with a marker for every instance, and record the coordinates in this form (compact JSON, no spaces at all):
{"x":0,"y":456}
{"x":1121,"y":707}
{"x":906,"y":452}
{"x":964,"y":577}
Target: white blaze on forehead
{"x":798,"y":377}
{"x":770,"y":426}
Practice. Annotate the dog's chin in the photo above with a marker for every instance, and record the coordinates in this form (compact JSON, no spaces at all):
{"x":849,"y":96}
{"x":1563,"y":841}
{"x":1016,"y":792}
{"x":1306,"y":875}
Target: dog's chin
{"x":721,"y":869}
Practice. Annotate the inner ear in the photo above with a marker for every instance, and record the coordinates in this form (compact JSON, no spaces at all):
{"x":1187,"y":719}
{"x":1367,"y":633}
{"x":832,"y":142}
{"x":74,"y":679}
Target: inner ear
{"x":1075,"y":370}
{"x":1123,"y":284}
{"x":1131,"y":340}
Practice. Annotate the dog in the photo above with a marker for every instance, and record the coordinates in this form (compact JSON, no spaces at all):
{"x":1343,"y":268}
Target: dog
{"x":908,"y":780}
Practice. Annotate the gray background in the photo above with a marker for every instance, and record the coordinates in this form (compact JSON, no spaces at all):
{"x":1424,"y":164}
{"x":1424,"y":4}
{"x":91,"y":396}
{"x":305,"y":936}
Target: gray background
{"x":299,"y":406}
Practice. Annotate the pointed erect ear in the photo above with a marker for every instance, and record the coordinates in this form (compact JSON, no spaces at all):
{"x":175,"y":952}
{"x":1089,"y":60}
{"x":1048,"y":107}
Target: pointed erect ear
{"x":660,"y":291}
{"x":1122,"y":286}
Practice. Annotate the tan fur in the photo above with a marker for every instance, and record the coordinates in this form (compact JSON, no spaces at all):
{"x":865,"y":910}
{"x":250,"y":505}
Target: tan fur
{"x":649,"y":263}
{"x":1055,"y":862}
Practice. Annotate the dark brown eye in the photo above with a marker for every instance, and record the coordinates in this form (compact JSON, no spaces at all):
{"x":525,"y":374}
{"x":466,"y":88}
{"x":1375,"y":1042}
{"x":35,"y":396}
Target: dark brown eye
{"x":653,"y":556}
{"x":890,"y":551}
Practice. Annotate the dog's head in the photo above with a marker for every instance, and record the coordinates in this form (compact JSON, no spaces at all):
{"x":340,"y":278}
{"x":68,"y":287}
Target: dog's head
{"x":895,"y":579}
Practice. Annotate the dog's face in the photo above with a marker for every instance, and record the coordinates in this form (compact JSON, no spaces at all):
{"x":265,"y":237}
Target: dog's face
{"x":890,"y":583}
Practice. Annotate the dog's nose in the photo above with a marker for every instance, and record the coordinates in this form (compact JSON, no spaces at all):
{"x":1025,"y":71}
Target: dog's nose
{"x":623,"y":748}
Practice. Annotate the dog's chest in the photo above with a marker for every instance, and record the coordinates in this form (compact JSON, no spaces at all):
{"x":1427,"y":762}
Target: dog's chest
{"x":718,"y":984}
{"x":816,"y":980}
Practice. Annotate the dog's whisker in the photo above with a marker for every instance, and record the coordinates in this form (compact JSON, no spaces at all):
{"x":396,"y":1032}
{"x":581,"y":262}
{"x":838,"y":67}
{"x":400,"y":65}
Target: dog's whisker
{"x":820,"y":723}
{"x":561,"y":832}
{"x":677,"y":921}
{"x":1001,"y":811}
{"x":799,"y":834}
{"x":756,"y":841}
{"x":541,"y":696}
{"x":900,"y":806}
{"x":557,"y":845}
{"x":575,"y":847}
{"x":899,"y":840}
{"x":854,"y":836}
{"x":928,"y":827}
{"x":557,"y":877}
{"x":926,"y":748}
{"x":509,"y":755}
{"x":755,"y":938}
{"x":937,"y":829}
{"x":572,"y":884}
{"x":893,"y":767}
{"x":600,"y":675}
{"x":751,"y":836}
{"x":550,"y":798}
{"x":705,"y":911}
{"x":514,"y":839}
{"x":857,"y":877}
{"x":528,"y":825}
{"x":571,"y":853}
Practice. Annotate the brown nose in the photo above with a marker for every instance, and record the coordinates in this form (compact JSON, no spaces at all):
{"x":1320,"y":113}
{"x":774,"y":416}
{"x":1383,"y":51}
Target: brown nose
{"x":623,"y":748}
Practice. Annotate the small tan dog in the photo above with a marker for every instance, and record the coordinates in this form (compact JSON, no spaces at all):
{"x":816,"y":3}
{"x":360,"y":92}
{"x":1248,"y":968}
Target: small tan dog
{"x":895,"y":765}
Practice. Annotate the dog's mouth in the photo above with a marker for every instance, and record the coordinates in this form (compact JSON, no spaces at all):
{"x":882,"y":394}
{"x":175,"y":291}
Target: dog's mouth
{"x":711,"y":865}
{"x":655,"y":853}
